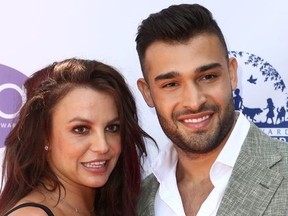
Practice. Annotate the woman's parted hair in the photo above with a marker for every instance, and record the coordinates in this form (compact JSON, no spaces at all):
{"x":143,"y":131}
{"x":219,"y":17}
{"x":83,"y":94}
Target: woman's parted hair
{"x":25,"y":163}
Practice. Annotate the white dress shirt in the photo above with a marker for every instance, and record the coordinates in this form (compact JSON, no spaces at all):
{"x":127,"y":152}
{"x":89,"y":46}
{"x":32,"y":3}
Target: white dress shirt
{"x":168,"y":201}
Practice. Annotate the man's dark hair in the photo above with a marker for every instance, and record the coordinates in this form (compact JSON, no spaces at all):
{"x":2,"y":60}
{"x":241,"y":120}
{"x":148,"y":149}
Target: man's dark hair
{"x":177,"y":23}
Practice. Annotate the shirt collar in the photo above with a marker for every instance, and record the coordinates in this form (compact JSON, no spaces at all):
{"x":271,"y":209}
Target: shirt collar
{"x":166,"y":162}
{"x":231,"y":149}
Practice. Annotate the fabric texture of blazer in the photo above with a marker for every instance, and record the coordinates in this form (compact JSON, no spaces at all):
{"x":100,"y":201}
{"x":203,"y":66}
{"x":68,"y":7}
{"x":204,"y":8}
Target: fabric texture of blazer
{"x":258,"y":184}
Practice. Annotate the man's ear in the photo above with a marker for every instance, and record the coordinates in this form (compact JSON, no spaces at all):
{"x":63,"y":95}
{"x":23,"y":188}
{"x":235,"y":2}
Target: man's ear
{"x":233,"y":66}
{"x":145,"y":91}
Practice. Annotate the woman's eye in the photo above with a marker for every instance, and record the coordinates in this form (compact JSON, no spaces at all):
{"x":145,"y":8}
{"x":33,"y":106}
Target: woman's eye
{"x":113,"y":128}
{"x":81,"y":129}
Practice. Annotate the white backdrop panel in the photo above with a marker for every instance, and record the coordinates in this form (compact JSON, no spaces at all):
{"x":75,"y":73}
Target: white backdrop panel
{"x":35,"y":33}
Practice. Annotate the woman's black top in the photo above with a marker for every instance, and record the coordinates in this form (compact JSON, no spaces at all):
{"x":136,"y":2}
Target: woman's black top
{"x":45,"y":208}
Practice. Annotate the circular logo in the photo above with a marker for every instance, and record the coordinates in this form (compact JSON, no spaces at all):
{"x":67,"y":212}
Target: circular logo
{"x":261,"y":94}
{"x":12,"y":97}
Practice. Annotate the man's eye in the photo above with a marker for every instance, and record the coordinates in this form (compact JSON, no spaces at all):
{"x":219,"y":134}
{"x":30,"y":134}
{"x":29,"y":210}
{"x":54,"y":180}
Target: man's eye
{"x":209,"y":77}
{"x":113,"y":128}
{"x":81,"y":129}
{"x":169,"y":85}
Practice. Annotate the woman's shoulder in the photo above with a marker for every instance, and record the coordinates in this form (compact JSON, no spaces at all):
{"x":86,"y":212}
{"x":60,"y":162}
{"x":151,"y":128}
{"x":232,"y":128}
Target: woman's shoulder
{"x":31,"y":209}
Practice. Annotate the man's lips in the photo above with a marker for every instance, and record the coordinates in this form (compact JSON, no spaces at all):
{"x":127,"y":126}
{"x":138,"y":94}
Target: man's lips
{"x":196,"y":121}
{"x":195,"y":118}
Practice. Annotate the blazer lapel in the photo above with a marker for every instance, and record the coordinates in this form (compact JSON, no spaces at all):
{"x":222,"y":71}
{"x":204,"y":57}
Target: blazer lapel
{"x":145,"y":205}
{"x":253,"y":182}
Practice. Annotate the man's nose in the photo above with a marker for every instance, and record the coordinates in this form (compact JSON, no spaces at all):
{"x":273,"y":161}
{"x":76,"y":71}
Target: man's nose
{"x":193,"y":97}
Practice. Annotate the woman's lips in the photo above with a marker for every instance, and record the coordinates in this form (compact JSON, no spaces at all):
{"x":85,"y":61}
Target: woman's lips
{"x":95,"y":164}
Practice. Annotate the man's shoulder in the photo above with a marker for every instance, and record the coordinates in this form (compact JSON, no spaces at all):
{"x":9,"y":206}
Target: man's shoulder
{"x":269,"y":150}
{"x":149,"y":187}
{"x":256,"y":135}
{"x":150,"y":182}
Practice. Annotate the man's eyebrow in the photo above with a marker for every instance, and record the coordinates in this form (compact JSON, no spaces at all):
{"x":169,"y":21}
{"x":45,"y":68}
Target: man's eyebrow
{"x":168,"y":75}
{"x":173,"y":74}
{"x":208,"y":67}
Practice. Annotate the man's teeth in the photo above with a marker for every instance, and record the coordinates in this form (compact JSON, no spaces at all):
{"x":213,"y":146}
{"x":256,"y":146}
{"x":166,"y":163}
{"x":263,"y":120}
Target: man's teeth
{"x":196,"y":120}
{"x":97,"y":164}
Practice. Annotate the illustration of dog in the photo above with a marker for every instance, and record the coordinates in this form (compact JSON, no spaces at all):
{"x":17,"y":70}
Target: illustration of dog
{"x":281,"y":113}
{"x":251,"y":112}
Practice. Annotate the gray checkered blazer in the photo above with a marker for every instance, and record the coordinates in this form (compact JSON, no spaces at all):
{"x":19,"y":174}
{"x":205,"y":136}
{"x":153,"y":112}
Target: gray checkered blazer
{"x":258,"y":184}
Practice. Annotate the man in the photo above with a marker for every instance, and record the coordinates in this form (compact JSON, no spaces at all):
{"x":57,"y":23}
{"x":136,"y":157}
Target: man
{"x":218,"y":162}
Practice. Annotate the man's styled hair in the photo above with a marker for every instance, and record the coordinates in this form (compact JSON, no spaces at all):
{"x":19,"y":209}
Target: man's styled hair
{"x":177,"y":23}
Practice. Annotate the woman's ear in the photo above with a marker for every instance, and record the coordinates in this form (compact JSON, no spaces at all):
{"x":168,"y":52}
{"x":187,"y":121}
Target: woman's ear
{"x":145,"y":91}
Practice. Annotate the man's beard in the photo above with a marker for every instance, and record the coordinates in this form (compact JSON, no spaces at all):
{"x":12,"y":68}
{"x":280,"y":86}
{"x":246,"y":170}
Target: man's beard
{"x":200,"y":142}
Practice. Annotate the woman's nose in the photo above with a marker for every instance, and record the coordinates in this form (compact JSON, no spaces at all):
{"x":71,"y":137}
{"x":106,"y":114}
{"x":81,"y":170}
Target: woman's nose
{"x":99,"y":143}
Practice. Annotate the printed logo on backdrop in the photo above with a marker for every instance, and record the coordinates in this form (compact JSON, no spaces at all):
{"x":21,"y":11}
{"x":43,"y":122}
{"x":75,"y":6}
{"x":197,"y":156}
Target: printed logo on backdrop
{"x":12,"y":97}
{"x":261,"y":94}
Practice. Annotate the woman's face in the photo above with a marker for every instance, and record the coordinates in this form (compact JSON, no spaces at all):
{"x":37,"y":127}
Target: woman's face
{"x":85,"y":142}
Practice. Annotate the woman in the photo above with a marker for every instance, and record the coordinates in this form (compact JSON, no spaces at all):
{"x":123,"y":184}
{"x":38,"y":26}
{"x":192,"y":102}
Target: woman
{"x":77,"y":146}
{"x":270,"y":114}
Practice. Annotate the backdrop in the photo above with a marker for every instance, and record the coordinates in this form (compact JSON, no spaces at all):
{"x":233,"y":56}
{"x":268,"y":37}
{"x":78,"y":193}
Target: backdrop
{"x":36,"y":33}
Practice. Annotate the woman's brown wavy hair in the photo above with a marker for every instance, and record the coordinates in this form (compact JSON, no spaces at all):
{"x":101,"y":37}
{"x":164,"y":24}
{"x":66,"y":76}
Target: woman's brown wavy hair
{"x":25,"y":165}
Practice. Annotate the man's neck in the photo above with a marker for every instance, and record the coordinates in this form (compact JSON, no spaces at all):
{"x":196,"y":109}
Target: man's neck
{"x":195,"y":167}
{"x":193,"y":178}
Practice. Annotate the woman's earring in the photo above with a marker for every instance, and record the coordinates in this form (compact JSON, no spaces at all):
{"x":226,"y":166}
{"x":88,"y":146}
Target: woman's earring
{"x":46,"y":148}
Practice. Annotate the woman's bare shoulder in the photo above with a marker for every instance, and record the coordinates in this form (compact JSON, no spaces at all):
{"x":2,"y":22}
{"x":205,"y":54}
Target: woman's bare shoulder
{"x":30,"y":205}
{"x":28,"y":210}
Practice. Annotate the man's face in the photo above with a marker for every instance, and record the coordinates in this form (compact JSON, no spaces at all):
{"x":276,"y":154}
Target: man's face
{"x":190,"y":85}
